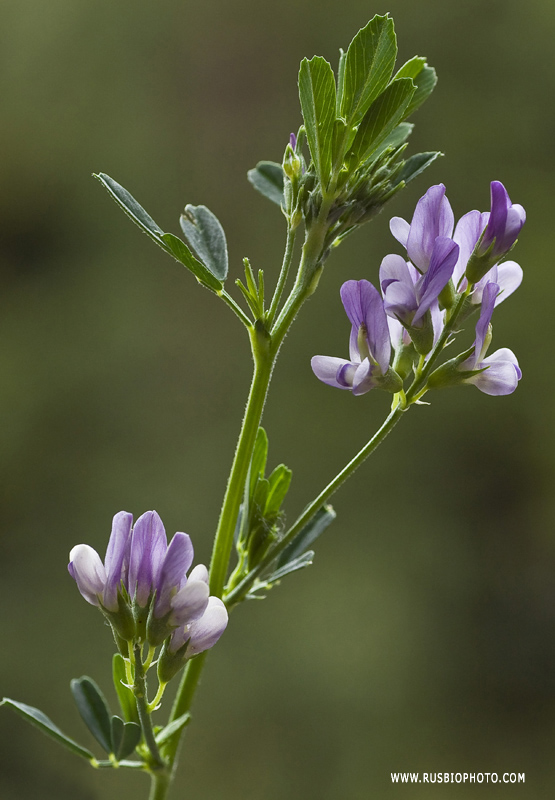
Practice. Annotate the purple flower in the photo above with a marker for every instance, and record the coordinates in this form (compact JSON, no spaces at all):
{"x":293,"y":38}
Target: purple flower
{"x":369,"y":345}
{"x":500,"y":371}
{"x":409,"y":295}
{"x":485,"y":238}
{"x":99,"y":583}
{"x":293,"y":140}
{"x":507,"y":275}
{"x":141,"y":569}
{"x":432,"y":217}
{"x":505,"y":222}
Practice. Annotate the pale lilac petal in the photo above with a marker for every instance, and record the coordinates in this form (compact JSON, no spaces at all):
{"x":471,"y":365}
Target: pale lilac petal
{"x":396,"y":331}
{"x":205,"y":632}
{"x":433,"y":217}
{"x":501,"y":376}
{"x":444,"y":256}
{"x":87,"y":569}
{"x":438,"y":321}
{"x":350,"y":297}
{"x":189,"y":603}
{"x":509,"y":278}
{"x":327,"y":368}
{"x":467,"y":233}
{"x":147,"y":551}
{"x":400,"y":229}
{"x":115,"y":561}
{"x":173,"y":575}
{"x":394,"y":268}
{"x":488,"y":302}
{"x":379,"y":342}
{"x":400,"y":301}
{"x":363,"y":379}
{"x":199,"y":573}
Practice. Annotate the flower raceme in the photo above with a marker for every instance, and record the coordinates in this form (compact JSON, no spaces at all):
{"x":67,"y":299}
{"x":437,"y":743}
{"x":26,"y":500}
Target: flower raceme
{"x":452,"y":270}
{"x":369,"y":345}
{"x":143,"y":588}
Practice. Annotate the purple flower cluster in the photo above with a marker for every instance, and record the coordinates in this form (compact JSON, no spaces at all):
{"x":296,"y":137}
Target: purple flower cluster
{"x":444,"y":262}
{"x":143,"y":588}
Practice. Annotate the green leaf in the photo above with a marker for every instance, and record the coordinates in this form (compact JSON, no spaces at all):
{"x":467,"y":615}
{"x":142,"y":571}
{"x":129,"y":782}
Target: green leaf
{"x":125,"y":737}
{"x":424,"y":77}
{"x":398,"y":136}
{"x":267,"y":178}
{"x":383,"y":116}
{"x":133,"y":209}
{"x":279,"y":480}
{"x":317,"y":95}
{"x":181,"y":252}
{"x":259,"y":456}
{"x":317,"y":525}
{"x":415,"y":165}
{"x":45,"y":724}
{"x":94,"y":710}
{"x":167,"y":241}
{"x":206,"y":236}
{"x":368,"y":67}
{"x":167,"y":733}
{"x":125,"y":695}
{"x":305,"y":560}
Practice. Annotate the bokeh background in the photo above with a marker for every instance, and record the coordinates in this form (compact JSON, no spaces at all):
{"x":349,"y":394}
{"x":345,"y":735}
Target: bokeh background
{"x":423,"y":638}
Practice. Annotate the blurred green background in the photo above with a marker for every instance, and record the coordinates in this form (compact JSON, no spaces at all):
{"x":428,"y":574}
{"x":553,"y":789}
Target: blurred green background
{"x":423,"y":638}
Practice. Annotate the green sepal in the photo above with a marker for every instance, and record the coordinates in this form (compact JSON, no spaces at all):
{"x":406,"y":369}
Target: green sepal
{"x":449,"y":374}
{"x":405,"y":356}
{"x":383,"y":116}
{"x":45,"y":724}
{"x":206,"y":237}
{"x":125,"y":695}
{"x":167,"y":241}
{"x":390,"y":382}
{"x":125,"y":736}
{"x":424,"y":77}
{"x":423,"y":336}
{"x":368,"y":67}
{"x":307,"y":535}
{"x":170,"y":663}
{"x":318,"y":99}
{"x":94,"y":710}
{"x":267,"y":178}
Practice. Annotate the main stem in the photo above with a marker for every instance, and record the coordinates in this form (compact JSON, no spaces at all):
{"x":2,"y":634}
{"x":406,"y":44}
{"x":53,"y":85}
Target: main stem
{"x":265,"y":349}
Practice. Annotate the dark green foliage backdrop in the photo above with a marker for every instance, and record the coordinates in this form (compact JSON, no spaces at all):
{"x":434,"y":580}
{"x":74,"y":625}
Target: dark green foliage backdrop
{"x":423,"y":636}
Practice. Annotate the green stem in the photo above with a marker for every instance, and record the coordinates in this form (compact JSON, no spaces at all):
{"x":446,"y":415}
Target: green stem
{"x":265,"y":350}
{"x":241,"y":590}
{"x":160,"y":783}
{"x":139,"y":690}
{"x":283,"y":275}
{"x":236,"y":308}
{"x":424,"y":369}
{"x":234,"y":492}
